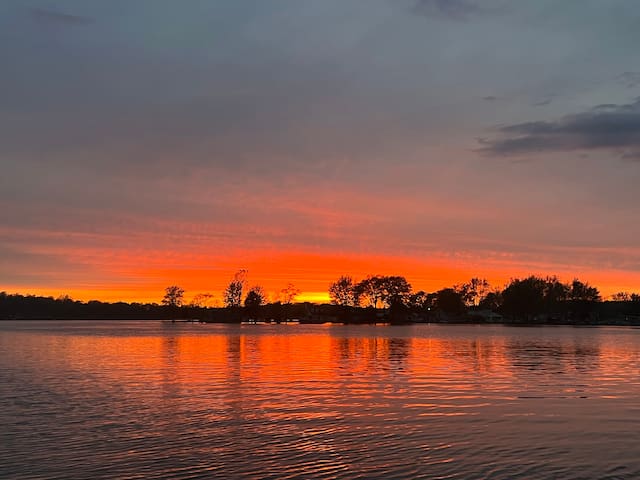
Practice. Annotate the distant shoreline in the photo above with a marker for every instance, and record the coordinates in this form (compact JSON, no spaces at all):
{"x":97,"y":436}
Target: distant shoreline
{"x":570,"y":312}
{"x":602,"y":323}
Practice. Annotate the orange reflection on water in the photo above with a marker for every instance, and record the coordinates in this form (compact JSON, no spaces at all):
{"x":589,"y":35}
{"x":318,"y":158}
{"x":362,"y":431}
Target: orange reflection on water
{"x":328,"y":395}
{"x":330,"y":361}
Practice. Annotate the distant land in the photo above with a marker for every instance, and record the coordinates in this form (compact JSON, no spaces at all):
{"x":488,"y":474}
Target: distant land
{"x":375,"y":299}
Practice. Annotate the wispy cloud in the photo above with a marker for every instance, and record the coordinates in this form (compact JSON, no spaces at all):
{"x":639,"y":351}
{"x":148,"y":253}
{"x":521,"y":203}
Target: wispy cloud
{"x":605,"y":127}
{"x":543,"y":101}
{"x":58,"y":18}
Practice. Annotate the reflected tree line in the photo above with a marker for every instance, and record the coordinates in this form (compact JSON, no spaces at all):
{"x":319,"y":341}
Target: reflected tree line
{"x":376,"y":298}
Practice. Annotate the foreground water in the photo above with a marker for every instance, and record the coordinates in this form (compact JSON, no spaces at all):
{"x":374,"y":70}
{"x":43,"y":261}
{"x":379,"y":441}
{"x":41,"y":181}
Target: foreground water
{"x":134,"y":400}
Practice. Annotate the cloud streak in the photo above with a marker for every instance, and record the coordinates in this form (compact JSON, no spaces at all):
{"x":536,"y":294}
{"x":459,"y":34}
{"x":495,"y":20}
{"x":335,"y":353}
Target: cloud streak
{"x":610,"y":127}
{"x":58,"y":18}
{"x":459,"y":10}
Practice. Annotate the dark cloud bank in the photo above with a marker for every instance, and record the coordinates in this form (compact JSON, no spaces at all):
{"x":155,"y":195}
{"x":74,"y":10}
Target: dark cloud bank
{"x":605,"y":127}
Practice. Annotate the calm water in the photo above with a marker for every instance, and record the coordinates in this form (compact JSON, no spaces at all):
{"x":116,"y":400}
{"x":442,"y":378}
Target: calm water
{"x":144,"y":400}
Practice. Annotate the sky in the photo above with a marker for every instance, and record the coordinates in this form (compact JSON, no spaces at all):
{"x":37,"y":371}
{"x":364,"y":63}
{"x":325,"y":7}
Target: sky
{"x":152,"y":142}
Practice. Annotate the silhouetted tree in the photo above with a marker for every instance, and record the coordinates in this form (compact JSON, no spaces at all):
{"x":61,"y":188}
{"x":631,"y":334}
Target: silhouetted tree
{"x":255,"y":297}
{"x":524,"y":298}
{"x":386,"y":290}
{"x":419,"y":300}
{"x":582,"y":297}
{"x":449,"y":301}
{"x":554,"y":292}
{"x":491,"y":301}
{"x":583,"y":292}
{"x":534,"y":295}
{"x":254,"y":300}
{"x":473,"y":291}
{"x":430,"y":302}
{"x":370,"y":289}
{"x":233,"y":293}
{"x":289,"y":293}
{"x":395,"y":290}
{"x":173,"y":297}
{"x":343,"y":292}
{"x":621,"y":297}
{"x":201,"y":300}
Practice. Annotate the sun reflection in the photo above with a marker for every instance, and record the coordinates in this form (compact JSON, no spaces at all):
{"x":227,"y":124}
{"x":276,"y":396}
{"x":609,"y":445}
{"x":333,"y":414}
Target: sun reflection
{"x":306,"y":394}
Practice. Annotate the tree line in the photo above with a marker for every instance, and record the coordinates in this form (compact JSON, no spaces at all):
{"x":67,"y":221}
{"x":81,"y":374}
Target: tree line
{"x":236,"y":294}
{"x":527,"y":299}
{"x":375,"y":298}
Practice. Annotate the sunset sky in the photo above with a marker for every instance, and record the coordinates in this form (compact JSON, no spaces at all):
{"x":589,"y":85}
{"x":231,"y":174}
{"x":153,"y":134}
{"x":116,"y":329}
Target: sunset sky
{"x":155,"y":142}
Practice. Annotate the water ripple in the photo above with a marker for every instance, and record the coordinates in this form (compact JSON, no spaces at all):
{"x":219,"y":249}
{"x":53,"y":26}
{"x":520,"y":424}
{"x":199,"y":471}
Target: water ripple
{"x":147,"y":400}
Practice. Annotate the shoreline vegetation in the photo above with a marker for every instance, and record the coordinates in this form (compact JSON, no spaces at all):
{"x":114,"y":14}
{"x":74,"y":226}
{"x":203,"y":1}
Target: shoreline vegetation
{"x":376,"y":299}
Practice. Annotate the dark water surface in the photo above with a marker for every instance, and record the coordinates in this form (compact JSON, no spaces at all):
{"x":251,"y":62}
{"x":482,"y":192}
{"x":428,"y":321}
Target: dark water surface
{"x":145,"y":400}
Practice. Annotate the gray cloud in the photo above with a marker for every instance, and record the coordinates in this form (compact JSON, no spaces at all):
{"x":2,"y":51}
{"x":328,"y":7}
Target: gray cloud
{"x":629,"y":79}
{"x":543,"y":102}
{"x":42,"y":15}
{"x":235,"y":126}
{"x":605,"y":127}
{"x":450,"y":9}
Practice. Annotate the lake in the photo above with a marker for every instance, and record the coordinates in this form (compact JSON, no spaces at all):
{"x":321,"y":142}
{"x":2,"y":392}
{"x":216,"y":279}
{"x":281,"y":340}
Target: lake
{"x":152,"y":400}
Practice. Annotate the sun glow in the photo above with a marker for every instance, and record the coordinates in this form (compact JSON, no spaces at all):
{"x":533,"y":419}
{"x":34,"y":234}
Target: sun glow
{"x":140,"y":279}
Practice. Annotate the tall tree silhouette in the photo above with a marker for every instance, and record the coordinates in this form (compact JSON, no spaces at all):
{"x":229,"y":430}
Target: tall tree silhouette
{"x":233,"y":293}
{"x":473,"y":291}
{"x":342,"y":292}
{"x":371,"y":290}
{"x":289,"y":293}
{"x":395,"y":290}
{"x":524,"y":298}
{"x":173,"y":296}
{"x":383,"y":290}
{"x":449,"y":301}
